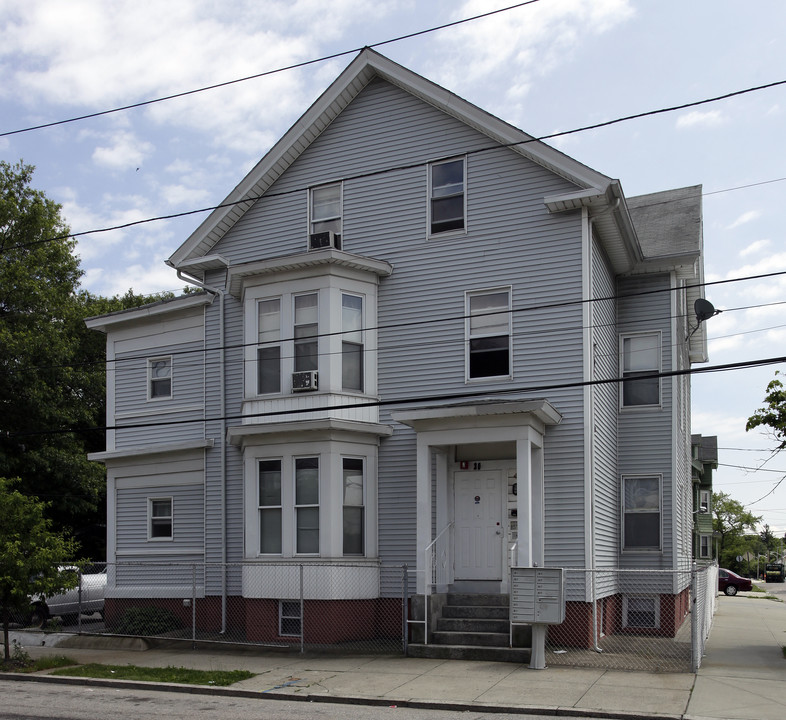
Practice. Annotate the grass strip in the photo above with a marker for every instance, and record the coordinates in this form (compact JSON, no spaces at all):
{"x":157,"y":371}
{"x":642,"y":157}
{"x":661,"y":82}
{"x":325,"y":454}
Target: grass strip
{"x":169,"y":674}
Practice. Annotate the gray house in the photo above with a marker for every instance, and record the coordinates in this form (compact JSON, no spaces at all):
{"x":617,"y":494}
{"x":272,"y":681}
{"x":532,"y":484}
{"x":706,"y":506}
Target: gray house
{"x":424,"y":338}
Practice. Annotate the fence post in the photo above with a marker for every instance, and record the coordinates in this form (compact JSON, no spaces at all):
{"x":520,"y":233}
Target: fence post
{"x":302,"y":614}
{"x":404,"y":606}
{"x":79,"y":609}
{"x":694,"y":622}
{"x":193,"y":606}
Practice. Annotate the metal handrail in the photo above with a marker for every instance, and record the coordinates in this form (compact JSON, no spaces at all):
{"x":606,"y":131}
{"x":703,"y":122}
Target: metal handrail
{"x":430,"y":568}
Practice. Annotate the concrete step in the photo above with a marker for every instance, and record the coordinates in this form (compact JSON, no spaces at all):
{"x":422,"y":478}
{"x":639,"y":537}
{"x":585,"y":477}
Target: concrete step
{"x":485,"y":625}
{"x":499,"y":612}
{"x":488,"y":599}
{"x":469,"y":652}
{"x":480,"y":639}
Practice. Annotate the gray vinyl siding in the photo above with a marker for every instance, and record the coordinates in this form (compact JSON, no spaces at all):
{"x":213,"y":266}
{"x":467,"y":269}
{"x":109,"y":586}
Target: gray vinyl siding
{"x":511,"y":240}
{"x":132,"y":520}
{"x":646,"y":434}
{"x":605,"y":363}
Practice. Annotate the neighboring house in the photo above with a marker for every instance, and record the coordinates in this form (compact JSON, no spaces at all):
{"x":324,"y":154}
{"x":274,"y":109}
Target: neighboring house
{"x":704,"y":452}
{"x":414,"y":323}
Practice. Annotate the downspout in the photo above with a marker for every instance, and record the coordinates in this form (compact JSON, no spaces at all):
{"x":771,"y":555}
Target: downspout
{"x":595,"y":646}
{"x":221,"y":293}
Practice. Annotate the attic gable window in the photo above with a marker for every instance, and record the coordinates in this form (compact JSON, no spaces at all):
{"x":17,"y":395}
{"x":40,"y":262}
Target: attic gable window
{"x":446,"y":196}
{"x":325,"y":209}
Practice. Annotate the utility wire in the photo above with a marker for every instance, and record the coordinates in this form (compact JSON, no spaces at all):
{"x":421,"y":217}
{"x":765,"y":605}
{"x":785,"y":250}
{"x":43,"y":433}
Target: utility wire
{"x":375,"y":173}
{"x":454,"y":318}
{"x":417,"y":400}
{"x":266,"y":73}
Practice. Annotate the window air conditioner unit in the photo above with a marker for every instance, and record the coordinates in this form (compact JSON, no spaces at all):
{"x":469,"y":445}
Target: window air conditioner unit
{"x":305,"y":380}
{"x":327,"y":239}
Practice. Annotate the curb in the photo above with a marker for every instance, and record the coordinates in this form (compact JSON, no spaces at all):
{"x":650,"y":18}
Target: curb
{"x":556,"y":711}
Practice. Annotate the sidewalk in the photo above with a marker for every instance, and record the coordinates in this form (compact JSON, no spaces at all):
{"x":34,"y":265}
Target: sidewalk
{"x":743,"y":676}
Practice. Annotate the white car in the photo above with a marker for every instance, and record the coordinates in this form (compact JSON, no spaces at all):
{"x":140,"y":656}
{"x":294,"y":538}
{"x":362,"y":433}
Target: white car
{"x":87,"y":597}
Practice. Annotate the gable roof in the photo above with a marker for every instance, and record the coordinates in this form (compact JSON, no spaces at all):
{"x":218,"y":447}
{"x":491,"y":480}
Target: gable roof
{"x":357,"y":75}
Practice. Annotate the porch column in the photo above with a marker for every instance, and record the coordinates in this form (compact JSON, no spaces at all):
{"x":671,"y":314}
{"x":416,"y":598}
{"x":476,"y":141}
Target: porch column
{"x":423,"y":499}
{"x":524,"y":500}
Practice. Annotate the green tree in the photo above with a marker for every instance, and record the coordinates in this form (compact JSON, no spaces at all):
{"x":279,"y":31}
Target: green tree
{"x":772,"y":417}
{"x":731,"y":520}
{"x":31,"y":555}
{"x":52,"y":368}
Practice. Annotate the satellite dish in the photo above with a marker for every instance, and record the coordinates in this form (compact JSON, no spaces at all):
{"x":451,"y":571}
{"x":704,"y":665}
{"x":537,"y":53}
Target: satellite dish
{"x":704,"y":309}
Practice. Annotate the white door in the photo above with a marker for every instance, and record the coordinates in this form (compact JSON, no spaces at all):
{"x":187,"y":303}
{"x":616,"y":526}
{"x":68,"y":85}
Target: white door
{"x":478,"y":532}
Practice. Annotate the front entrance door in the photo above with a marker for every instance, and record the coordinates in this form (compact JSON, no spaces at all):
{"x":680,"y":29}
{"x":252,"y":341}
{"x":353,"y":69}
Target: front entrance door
{"x":479,"y":532}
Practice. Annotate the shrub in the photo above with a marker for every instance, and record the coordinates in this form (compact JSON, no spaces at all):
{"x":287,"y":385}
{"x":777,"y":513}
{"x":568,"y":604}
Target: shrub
{"x":146,"y":621}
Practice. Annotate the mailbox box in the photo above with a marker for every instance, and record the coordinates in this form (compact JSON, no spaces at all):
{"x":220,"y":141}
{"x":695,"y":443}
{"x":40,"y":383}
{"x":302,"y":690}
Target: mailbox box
{"x":537,"y":595}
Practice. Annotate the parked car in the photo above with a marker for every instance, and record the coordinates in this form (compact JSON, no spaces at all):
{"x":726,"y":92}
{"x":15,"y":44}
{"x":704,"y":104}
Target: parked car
{"x":774,"y":572}
{"x":87,"y":597}
{"x":731,"y":583}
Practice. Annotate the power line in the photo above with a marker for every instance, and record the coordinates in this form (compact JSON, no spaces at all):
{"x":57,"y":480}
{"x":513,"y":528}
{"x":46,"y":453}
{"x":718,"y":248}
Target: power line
{"x":452,"y":318}
{"x":416,"y":401}
{"x":375,"y":173}
{"x":266,"y":73}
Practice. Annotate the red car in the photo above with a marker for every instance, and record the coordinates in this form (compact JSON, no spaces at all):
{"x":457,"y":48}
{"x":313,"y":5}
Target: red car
{"x":731,"y":583}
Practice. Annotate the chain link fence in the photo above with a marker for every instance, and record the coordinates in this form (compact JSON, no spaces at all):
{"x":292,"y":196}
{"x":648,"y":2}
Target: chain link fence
{"x":646,"y":620}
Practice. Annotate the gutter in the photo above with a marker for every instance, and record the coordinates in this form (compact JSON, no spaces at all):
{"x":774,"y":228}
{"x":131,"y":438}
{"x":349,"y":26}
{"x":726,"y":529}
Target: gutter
{"x":221,"y":293}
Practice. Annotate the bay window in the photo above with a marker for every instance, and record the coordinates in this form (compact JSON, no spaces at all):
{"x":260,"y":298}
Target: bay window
{"x":353,"y":506}
{"x":352,"y":342}
{"x":269,"y":352}
{"x":307,"y":506}
{"x":270,"y":507}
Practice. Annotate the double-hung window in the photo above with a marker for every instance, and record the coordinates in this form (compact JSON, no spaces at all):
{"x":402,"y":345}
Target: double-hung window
{"x":488,"y":334}
{"x":269,"y":351}
{"x":352,"y":342}
{"x":160,"y":378}
{"x":306,"y":332}
{"x":354,"y":508}
{"x":704,"y":546}
{"x":641,"y":504}
{"x":307,"y":506}
{"x":325,"y":209}
{"x":160,"y":518}
{"x":269,"y":499}
{"x":640,"y":358}
{"x":446,"y":196}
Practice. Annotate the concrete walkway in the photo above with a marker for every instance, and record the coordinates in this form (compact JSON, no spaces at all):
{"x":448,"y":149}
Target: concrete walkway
{"x":743,"y":675}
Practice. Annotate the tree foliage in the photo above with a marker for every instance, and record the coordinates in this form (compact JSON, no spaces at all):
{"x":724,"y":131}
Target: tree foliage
{"x":731,"y":521}
{"x":31,"y":554}
{"x":772,"y":417}
{"x":52,"y":368}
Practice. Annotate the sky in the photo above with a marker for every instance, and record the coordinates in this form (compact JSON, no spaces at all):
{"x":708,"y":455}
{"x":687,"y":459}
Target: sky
{"x":547,"y":66}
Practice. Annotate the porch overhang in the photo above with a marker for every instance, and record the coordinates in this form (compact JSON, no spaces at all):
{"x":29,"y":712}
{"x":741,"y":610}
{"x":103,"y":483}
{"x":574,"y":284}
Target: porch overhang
{"x":491,"y":412}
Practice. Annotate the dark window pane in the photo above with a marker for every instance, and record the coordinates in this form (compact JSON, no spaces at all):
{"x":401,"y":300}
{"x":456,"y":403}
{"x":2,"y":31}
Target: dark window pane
{"x":447,"y":213}
{"x":307,"y":530}
{"x":270,"y":531}
{"x":642,"y":531}
{"x":489,"y":357}
{"x":306,"y":347}
{"x":269,"y":370}
{"x":645,"y":391}
{"x":353,"y":530}
{"x":269,"y":482}
{"x":351,"y":366}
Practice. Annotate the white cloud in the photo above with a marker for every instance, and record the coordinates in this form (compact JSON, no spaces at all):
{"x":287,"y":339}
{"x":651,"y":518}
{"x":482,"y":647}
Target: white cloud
{"x":746,"y":217}
{"x":124,"y":151}
{"x":183,"y":195}
{"x":696,"y":118}
{"x":523,"y":44}
{"x":754,"y":247}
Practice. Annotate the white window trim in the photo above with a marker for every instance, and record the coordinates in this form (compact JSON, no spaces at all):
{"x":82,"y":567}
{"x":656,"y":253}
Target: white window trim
{"x":659,"y":370}
{"x":467,"y":337}
{"x":281,"y":618}
{"x":260,"y":507}
{"x":364,"y":460}
{"x":446,"y":233}
{"x":654,"y":598}
{"x":150,"y":362}
{"x":150,"y":501}
{"x":318,"y":504}
{"x":279,"y":343}
{"x":339,"y":217}
{"x":640,"y":550}
{"x":330,"y":453}
{"x":702,"y":553}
